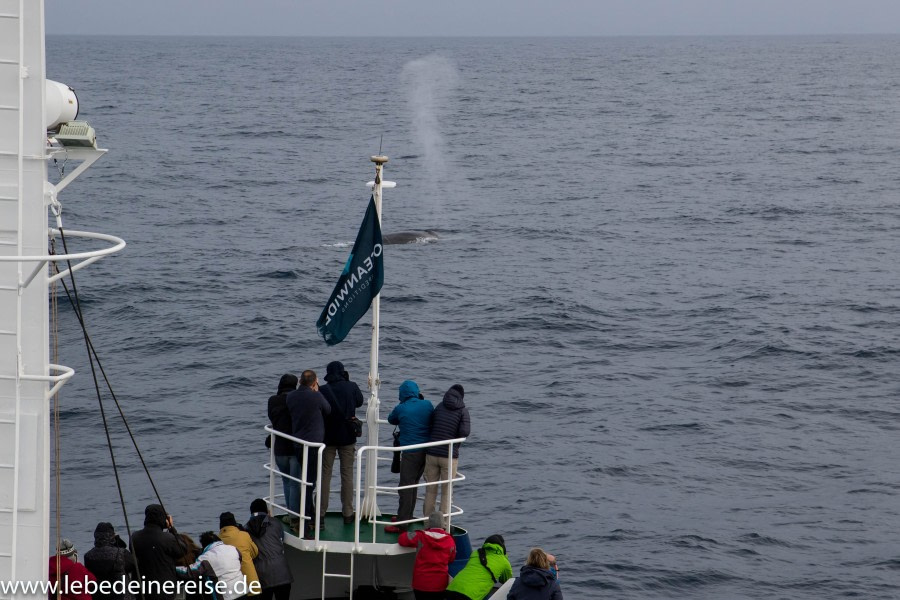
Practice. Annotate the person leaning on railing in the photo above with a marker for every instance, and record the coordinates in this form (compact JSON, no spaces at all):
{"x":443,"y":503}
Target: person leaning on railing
{"x":537,"y":579}
{"x":435,"y":550}
{"x":274,"y":573}
{"x":485,"y":568}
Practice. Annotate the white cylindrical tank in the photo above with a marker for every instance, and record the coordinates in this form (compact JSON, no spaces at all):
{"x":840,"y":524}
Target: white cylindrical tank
{"x":61,"y":106}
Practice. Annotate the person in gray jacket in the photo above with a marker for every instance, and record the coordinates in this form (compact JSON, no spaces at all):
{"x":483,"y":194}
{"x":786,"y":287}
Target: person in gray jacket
{"x":271,"y":566}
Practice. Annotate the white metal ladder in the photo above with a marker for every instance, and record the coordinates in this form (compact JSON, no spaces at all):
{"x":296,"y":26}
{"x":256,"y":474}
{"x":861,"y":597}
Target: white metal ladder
{"x":346,"y":576}
{"x":11,"y":67}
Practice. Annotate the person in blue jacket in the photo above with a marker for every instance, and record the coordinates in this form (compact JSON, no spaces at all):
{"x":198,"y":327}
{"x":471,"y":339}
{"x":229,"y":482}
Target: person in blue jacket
{"x":413,"y":416}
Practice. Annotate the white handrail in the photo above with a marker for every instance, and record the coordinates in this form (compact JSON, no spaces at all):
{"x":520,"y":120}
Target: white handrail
{"x":86,"y":257}
{"x":376,"y":489}
{"x":120,"y":243}
{"x":453,"y":510}
{"x":302,"y":480}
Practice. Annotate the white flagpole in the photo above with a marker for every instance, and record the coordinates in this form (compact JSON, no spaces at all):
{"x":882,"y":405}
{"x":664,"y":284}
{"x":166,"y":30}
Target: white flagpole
{"x":369,"y":508}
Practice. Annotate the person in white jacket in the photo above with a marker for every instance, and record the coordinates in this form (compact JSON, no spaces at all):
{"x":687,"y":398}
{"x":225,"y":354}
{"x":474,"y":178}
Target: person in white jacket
{"x":225,"y":562}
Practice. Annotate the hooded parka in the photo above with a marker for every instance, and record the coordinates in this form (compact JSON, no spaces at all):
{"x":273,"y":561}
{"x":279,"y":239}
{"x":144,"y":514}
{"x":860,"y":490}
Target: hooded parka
{"x":271,"y":565}
{"x":156,"y":550}
{"x":437,"y":550}
{"x":474,"y":581}
{"x":109,"y":560}
{"x":535,"y":584}
{"x":450,"y":420}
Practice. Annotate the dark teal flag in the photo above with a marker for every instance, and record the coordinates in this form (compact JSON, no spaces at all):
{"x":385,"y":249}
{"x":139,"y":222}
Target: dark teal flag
{"x":359,"y":283}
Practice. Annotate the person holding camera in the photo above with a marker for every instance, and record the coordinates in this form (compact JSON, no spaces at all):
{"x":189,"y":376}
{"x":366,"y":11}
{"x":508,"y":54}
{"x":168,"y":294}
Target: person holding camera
{"x":345,"y":397}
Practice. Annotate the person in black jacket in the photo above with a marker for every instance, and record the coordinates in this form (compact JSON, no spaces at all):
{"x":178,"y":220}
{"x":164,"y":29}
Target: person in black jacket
{"x":308,"y":410}
{"x":345,"y":397}
{"x":285,"y":455}
{"x":156,"y":547}
{"x":109,"y":560}
{"x":450,"y":420}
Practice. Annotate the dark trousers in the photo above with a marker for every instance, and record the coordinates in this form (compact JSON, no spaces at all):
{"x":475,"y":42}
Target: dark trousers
{"x":420,"y":595}
{"x":412,"y":465}
{"x":455,"y":596}
{"x":311,"y":474}
{"x":279,"y":592}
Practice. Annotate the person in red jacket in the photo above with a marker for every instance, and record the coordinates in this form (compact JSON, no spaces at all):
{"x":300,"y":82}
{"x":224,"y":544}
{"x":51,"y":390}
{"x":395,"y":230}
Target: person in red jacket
{"x":436,"y":550}
{"x":69,"y":574}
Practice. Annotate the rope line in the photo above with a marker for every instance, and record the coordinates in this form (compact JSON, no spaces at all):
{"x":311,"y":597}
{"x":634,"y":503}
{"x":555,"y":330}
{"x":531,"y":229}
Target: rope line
{"x":92,"y":351}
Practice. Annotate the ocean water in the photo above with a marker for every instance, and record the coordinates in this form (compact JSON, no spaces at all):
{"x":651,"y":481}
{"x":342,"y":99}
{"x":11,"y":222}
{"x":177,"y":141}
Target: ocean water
{"x":666,"y":277}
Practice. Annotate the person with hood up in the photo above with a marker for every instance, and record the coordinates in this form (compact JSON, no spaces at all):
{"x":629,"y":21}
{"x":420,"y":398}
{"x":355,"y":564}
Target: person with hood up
{"x":231,"y":534}
{"x":449,"y":421}
{"x":109,"y":560}
{"x":345,"y":397}
{"x":156,"y":547}
{"x":218,"y":562}
{"x":285,"y":455}
{"x":536,"y":581}
{"x":274,"y":573}
{"x":413,"y":416}
{"x":485,"y":568}
{"x":72,"y":576}
{"x":436,"y":550}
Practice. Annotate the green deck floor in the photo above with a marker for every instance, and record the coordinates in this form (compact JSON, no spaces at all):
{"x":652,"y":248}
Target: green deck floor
{"x":336,"y":531}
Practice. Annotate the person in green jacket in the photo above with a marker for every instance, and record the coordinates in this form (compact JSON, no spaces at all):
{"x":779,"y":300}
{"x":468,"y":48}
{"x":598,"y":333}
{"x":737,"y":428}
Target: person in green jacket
{"x":485,"y":568}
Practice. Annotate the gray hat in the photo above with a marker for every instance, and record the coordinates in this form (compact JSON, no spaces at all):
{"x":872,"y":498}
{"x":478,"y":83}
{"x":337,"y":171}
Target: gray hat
{"x":435,"y":521}
{"x":66,"y":547}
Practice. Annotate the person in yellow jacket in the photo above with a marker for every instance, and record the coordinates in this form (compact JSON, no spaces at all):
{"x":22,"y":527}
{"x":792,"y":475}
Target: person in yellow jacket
{"x":231,"y":534}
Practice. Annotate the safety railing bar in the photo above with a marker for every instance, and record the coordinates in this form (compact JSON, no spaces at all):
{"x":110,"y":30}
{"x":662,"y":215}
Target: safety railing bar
{"x":294,"y":439}
{"x":319,"y":447}
{"x":75,"y":267}
{"x":33,"y":274}
{"x":119,"y":244}
{"x":52,"y":391}
{"x":282,"y":474}
{"x":67,"y":373}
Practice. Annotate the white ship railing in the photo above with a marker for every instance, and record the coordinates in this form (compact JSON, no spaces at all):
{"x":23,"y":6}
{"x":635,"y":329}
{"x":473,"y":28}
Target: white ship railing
{"x":273,"y":472}
{"x":86,"y":258}
{"x":453,"y":511}
{"x":373,"y":453}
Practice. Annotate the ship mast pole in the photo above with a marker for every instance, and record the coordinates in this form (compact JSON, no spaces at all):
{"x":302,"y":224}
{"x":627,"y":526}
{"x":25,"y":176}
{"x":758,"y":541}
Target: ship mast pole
{"x":369,"y":508}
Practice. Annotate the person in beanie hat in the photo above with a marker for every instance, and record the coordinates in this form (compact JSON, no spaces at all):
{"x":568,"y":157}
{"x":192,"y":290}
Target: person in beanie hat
{"x":156,"y":547}
{"x":271,"y":566}
{"x":345,"y":397}
{"x":232,"y":535}
{"x":487,"y":567}
{"x":449,"y":421}
{"x":436,"y":550}
{"x":109,"y":560}
{"x":68,"y":573}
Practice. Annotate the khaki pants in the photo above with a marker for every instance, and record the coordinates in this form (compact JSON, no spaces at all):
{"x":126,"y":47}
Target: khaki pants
{"x":347,"y":455}
{"x":437,"y":468}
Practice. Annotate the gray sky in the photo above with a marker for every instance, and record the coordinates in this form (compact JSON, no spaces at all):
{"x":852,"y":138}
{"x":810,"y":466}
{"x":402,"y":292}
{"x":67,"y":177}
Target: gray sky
{"x":471,"y":17}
